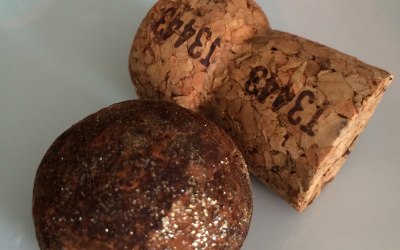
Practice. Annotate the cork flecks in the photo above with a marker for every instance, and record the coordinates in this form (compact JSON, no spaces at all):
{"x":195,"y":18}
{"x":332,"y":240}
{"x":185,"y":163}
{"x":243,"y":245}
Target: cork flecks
{"x":294,"y":107}
{"x":183,"y":48}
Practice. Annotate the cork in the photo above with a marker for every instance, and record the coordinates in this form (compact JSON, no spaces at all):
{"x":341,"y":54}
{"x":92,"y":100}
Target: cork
{"x":183,"y":48}
{"x":294,"y":107}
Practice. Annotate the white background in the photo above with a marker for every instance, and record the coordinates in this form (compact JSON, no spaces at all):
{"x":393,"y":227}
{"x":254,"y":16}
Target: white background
{"x":62,"y":60}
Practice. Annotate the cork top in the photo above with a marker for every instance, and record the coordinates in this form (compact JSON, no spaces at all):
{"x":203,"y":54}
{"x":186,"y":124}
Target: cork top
{"x":184,"y":48}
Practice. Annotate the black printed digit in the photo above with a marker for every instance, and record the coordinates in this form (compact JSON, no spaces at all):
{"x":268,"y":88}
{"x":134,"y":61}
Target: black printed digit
{"x":270,"y":87}
{"x":298,"y":107}
{"x":198,"y":43}
{"x":187,"y":33}
{"x":284,"y":97}
{"x":252,"y":86}
{"x":172,"y":27}
{"x":254,"y":79}
{"x":308,"y":127}
{"x":170,"y":13}
{"x":206,"y":61}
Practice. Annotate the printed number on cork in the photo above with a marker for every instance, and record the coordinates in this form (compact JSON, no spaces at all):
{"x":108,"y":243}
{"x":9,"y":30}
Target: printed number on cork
{"x":163,"y":31}
{"x":307,"y":128}
{"x":253,"y":86}
{"x":261,"y":85}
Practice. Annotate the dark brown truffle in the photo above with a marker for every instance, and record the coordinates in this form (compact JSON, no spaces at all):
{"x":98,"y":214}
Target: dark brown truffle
{"x":142,"y":175}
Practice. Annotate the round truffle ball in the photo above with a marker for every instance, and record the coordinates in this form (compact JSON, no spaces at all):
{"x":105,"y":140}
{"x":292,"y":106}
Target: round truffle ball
{"x":185,"y":48}
{"x":142,"y":175}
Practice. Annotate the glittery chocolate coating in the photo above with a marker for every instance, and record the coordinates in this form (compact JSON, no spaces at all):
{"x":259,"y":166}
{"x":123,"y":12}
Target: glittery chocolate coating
{"x":142,"y":175}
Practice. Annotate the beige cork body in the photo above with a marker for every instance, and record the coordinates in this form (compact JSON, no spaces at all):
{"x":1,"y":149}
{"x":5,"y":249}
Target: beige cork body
{"x":294,"y":107}
{"x":183,"y":48}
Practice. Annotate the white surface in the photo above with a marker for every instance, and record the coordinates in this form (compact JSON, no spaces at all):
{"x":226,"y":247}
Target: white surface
{"x":62,"y":60}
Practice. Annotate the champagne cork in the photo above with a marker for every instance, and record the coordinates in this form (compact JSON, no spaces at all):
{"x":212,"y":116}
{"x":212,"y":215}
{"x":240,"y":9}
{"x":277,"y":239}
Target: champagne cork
{"x":183,"y":48}
{"x":295,"y":109}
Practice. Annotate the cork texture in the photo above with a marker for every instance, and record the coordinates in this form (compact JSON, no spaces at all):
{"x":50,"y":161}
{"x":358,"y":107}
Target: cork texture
{"x":294,"y":107}
{"x":183,"y":48}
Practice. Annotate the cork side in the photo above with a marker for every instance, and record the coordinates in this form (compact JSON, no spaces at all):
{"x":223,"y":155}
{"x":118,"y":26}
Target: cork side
{"x":294,"y":108}
{"x":183,"y":48}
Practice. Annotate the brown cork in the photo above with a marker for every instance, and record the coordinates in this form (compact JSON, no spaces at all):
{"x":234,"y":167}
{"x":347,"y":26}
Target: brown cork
{"x":183,"y":48}
{"x":293,"y":106}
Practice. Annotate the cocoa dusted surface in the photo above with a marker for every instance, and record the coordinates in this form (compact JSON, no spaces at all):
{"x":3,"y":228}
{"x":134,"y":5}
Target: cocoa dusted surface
{"x":142,"y":175}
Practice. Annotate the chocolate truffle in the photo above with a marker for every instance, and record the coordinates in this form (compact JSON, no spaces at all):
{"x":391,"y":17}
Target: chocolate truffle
{"x":142,"y":175}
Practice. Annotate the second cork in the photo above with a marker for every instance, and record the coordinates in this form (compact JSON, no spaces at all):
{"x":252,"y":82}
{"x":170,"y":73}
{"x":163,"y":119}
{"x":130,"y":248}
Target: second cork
{"x":293,"y":106}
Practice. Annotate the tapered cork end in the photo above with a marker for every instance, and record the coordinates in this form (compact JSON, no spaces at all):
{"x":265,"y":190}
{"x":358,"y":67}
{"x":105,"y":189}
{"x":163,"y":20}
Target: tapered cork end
{"x":295,"y":108}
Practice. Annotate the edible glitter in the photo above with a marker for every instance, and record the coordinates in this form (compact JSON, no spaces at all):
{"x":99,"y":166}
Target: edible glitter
{"x":142,"y":200}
